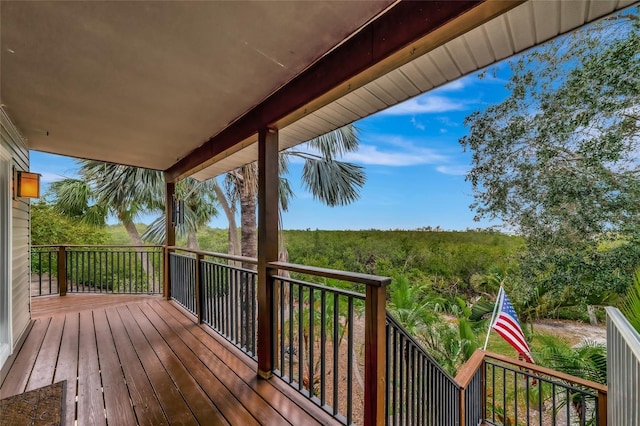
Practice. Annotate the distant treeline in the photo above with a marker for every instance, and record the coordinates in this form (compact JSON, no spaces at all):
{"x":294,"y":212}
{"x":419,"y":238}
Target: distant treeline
{"x":451,"y":261}
{"x":446,"y":258}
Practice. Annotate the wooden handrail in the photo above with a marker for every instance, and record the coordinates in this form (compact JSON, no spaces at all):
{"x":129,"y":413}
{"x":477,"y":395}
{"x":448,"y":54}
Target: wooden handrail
{"x":99,"y":246}
{"x":251,"y":260}
{"x":476,"y":361}
{"x":470,"y":368}
{"x":600,"y":388}
{"x":354,"y":277}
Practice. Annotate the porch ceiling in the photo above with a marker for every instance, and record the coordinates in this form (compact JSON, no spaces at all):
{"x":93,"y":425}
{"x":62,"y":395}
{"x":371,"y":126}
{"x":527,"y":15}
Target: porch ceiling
{"x":145,"y":83}
{"x":529,"y":24}
{"x":162,"y":84}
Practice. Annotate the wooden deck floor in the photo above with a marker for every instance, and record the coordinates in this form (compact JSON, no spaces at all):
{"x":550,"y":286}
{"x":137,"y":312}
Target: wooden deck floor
{"x":148,"y":363}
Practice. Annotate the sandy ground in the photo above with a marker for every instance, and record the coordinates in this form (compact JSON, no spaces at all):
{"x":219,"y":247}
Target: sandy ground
{"x":574,"y":332}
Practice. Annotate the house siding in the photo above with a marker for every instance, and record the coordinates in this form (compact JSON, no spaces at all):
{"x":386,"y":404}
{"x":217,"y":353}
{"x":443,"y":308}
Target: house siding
{"x":13,"y":142}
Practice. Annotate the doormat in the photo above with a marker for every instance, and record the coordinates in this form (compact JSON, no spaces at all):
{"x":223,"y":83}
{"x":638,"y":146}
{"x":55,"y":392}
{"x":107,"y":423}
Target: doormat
{"x":38,"y":407}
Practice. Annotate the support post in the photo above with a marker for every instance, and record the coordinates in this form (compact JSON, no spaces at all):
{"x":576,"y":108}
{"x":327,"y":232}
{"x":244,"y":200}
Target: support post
{"x":199,"y":289}
{"x":602,"y":408}
{"x":375,"y":352}
{"x":62,"y":270}
{"x":462,"y":406}
{"x":170,"y":235}
{"x":268,"y":181}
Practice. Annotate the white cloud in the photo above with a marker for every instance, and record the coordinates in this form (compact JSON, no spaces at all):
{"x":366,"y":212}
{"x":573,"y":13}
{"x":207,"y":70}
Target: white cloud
{"x":417,"y":124}
{"x":426,"y":104}
{"x":48,"y":177}
{"x":453,"y":169}
{"x":454,"y":85}
{"x":447,"y":121}
{"x":372,"y":155}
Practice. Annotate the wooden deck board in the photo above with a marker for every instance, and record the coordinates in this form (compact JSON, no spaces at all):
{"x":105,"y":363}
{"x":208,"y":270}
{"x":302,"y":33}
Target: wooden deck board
{"x":45,"y":365}
{"x":201,"y":406}
{"x":46,"y":306}
{"x":263,"y":397}
{"x":145,"y":402}
{"x":90,"y":402}
{"x":67,"y":367}
{"x":118,"y":408}
{"x":225,"y":401}
{"x":143,"y":360}
{"x":18,"y":376}
{"x":174,"y":406}
{"x":278,"y":397}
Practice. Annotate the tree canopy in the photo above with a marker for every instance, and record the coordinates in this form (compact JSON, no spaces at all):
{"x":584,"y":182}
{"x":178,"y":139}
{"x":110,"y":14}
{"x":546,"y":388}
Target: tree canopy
{"x":557,"y":160}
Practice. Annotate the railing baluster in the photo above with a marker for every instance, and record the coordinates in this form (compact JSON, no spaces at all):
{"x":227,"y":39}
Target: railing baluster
{"x":350,"y":364}
{"x":300,"y":342}
{"x":336,"y":357}
{"x":311,"y":342}
{"x":291,"y":318}
{"x":323,"y":347}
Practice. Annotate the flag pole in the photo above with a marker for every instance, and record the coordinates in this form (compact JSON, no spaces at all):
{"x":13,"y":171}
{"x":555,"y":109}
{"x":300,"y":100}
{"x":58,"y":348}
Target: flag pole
{"x":493,"y":316}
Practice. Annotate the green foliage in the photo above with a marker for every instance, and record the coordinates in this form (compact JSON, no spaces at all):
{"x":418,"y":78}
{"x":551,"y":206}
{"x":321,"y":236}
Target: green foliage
{"x":445,"y":260}
{"x":50,"y":227}
{"x":557,"y":160}
{"x":630,"y":304}
{"x":588,"y":360}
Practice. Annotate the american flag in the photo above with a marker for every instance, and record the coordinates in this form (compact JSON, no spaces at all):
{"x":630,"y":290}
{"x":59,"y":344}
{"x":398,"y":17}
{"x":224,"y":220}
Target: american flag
{"x":506,"y":324}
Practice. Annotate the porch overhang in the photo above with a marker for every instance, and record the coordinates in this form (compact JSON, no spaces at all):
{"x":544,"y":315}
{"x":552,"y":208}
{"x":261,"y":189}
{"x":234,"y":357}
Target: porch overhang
{"x":185,"y":87}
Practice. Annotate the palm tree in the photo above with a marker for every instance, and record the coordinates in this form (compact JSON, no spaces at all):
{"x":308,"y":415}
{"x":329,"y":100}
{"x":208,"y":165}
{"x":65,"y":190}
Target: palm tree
{"x":331,"y":181}
{"x":630,"y":304}
{"x":105,"y":188}
{"x":199,"y":201}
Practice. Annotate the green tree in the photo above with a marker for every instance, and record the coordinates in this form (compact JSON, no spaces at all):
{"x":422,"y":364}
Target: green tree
{"x":199,"y":201}
{"x":49,"y":227}
{"x":630,"y":303}
{"x":331,"y":181}
{"x":557,"y":160}
{"x":127,"y":192}
{"x":105,"y":188}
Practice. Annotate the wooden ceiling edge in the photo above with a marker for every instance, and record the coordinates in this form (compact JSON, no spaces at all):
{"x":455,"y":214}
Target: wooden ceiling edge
{"x":245,"y":143}
{"x":381,"y":40}
{"x":481,"y":14}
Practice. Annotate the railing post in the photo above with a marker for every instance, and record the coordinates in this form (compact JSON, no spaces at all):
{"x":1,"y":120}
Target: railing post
{"x":199,"y":289}
{"x":170,"y":237}
{"x":268,"y":183}
{"x":602,"y":408}
{"x":166,"y":285}
{"x":375,"y":352}
{"x":462,"y":406}
{"x":62,"y":270}
{"x":483,"y":406}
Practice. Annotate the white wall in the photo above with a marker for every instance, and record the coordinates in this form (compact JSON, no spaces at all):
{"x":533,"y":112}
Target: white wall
{"x":12,"y":142}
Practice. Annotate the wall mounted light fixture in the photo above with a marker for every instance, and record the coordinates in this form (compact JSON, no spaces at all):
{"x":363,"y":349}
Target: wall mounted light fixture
{"x":27,"y":184}
{"x":177,"y":216}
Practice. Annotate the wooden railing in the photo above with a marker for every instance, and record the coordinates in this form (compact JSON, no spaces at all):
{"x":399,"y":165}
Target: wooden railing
{"x":323,"y":341}
{"x":419,"y":390}
{"x":218,"y":291}
{"x":62,"y":269}
{"x":329,"y":337}
{"x":623,"y":369}
{"x":499,"y":390}
{"x":317,"y":348}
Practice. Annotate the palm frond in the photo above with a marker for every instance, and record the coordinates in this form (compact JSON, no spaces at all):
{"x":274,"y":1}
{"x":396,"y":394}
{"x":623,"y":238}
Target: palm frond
{"x":333,"y":182}
{"x":336,"y":143}
{"x":128,"y":190}
{"x":285,"y":193}
{"x":75,"y":198}
{"x":630,"y":305}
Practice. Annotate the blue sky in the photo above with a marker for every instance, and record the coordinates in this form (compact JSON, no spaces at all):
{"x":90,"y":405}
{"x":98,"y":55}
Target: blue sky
{"x":414,"y":163}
